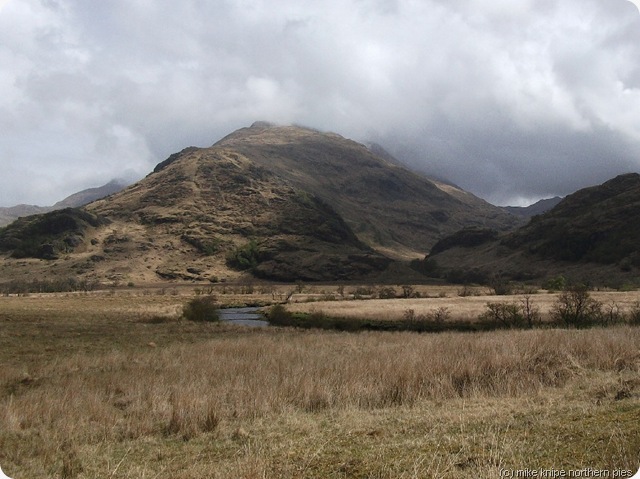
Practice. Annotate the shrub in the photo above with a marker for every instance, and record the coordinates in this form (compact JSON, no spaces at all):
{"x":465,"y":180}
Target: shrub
{"x":575,"y":307}
{"x":387,"y":293}
{"x":440,"y":315}
{"x":362,"y":291}
{"x":407,"y":291}
{"x":512,"y":315}
{"x":501,"y":286}
{"x":47,"y":286}
{"x":530,"y":313}
{"x":409,"y":315}
{"x":611,"y":314}
{"x":201,"y":309}
{"x":507,"y":314}
{"x":466,"y":291}
{"x":556,"y":284}
{"x":245,"y":257}
{"x":634,"y":314}
{"x":279,"y":316}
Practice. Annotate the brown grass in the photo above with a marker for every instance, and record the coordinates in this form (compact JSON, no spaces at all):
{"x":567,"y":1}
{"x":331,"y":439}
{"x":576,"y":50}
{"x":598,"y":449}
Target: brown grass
{"x":87,"y":395}
{"x":467,"y":308}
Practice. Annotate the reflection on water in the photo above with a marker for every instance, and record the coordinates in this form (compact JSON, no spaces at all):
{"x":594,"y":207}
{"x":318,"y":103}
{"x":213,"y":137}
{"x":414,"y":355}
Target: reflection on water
{"x":244,"y":316}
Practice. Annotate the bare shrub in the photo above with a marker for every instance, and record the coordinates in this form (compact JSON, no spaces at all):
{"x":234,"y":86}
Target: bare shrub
{"x":440,"y":315}
{"x":501,"y":286}
{"x":575,"y":307}
{"x":530,"y":312}
{"x":386,"y":292}
{"x":407,"y":291}
{"x":634,"y":314}
{"x":507,"y":314}
{"x":466,"y":291}
{"x":611,"y":314}
{"x":409,"y":315}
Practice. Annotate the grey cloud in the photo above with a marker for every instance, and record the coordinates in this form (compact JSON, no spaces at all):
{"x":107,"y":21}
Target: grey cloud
{"x":510,"y":100}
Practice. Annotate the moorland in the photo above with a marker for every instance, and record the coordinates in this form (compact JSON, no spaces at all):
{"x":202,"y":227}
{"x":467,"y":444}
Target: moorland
{"x":115,"y":383}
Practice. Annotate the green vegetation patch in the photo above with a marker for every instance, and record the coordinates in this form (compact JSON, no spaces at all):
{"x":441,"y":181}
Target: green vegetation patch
{"x":44,"y":236}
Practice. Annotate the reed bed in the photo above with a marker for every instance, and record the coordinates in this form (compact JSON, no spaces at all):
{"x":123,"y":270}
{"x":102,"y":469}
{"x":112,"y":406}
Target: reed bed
{"x":189,"y":389}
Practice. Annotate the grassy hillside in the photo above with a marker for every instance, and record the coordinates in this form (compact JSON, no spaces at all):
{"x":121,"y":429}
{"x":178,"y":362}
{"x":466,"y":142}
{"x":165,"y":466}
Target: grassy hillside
{"x":388,"y":206}
{"x":591,"y":235}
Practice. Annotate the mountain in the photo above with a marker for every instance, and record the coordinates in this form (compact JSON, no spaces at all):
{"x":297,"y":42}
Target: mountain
{"x":387,"y":205}
{"x":12,"y":213}
{"x":592,"y":234}
{"x":279,"y":202}
{"x":536,"y":208}
{"x":85,"y":197}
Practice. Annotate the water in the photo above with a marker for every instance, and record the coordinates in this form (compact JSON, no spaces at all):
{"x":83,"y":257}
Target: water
{"x":244,"y":316}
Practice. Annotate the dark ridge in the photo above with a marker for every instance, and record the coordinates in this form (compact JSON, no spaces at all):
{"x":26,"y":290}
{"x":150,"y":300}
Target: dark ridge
{"x":466,"y":238}
{"x":44,"y":236}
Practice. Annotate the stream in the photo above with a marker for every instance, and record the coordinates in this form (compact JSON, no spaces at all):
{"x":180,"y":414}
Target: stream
{"x":250,"y":316}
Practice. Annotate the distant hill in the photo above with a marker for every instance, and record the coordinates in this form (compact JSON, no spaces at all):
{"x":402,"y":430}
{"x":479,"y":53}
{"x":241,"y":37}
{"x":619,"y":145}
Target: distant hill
{"x":593,"y":234}
{"x":85,"y":197}
{"x":12,"y":213}
{"x":537,"y":208}
{"x":276,"y":202}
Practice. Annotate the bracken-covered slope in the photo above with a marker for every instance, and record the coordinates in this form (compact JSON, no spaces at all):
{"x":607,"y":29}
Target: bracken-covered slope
{"x":593,"y":233}
{"x":210,"y":214}
{"x":283,"y":203}
{"x":388,"y":206}
{"x":216,"y":207}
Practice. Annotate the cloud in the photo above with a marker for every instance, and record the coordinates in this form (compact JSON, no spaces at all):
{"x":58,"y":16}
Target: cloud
{"x":511,"y":100}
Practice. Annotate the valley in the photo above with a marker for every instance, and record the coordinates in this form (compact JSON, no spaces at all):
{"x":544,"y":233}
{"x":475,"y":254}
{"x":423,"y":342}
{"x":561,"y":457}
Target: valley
{"x":415,"y":329}
{"x":113,"y":383}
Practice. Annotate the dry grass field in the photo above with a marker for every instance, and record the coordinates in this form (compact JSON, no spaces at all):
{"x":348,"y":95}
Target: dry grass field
{"x":116,"y":386}
{"x":466,"y":308}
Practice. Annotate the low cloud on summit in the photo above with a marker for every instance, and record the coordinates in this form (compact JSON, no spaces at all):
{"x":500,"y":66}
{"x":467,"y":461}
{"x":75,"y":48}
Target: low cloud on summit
{"x":512,"y":101}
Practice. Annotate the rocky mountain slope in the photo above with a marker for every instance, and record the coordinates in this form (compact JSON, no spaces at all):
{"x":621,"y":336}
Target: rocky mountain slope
{"x":591,"y":234}
{"x":281,"y":203}
{"x":387,"y":205}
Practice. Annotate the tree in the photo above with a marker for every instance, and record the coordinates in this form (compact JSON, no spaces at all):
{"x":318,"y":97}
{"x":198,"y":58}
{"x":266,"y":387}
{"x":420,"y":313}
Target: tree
{"x":575,"y":307}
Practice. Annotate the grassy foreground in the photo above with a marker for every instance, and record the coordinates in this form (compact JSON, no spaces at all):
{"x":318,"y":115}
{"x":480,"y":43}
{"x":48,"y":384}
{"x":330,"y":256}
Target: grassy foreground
{"x":108,"y":386}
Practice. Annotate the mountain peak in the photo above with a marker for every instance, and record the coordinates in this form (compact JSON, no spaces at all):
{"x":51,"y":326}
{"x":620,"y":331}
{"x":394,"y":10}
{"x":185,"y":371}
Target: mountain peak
{"x":284,"y":202}
{"x":261,"y":125}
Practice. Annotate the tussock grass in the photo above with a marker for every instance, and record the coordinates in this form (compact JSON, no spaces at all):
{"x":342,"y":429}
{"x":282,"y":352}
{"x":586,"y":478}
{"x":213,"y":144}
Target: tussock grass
{"x":210,"y":400}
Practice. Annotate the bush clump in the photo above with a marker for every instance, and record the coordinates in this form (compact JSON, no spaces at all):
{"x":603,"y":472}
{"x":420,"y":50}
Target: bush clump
{"x":201,"y":309}
{"x":575,"y":307}
{"x":246,"y":257}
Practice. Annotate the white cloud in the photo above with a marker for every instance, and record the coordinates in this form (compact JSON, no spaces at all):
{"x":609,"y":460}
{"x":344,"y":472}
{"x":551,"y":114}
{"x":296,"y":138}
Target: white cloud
{"x":508,"y":99}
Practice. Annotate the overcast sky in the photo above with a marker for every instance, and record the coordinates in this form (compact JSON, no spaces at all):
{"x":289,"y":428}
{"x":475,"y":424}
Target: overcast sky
{"x":513,"y":100}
